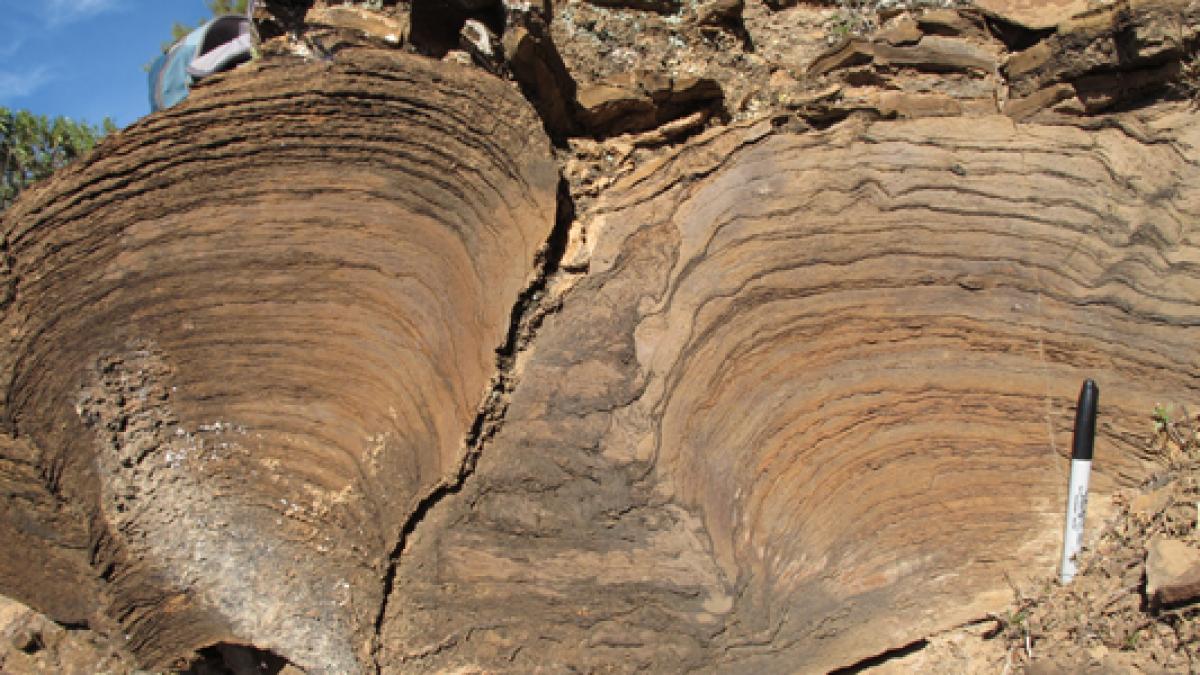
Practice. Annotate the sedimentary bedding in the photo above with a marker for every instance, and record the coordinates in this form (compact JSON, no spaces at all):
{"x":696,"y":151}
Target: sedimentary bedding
{"x":852,"y":358}
{"x":243,"y":341}
{"x":326,"y":361}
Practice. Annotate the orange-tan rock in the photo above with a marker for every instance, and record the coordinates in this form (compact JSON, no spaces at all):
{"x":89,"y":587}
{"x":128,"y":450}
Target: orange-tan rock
{"x":328,"y":365}
{"x":246,"y":338}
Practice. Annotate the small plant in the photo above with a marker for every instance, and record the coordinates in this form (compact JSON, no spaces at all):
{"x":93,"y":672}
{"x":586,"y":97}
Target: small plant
{"x":1175,"y":428}
{"x":853,"y":17}
{"x":1162,"y":418}
{"x":860,"y":17}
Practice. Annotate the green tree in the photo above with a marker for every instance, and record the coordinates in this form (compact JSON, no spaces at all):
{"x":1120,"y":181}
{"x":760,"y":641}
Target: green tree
{"x":34,"y":146}
{"x":217,"y":7}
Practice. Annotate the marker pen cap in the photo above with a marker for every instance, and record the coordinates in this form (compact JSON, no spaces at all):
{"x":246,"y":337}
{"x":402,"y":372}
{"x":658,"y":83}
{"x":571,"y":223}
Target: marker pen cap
{"x":1085,"y":421}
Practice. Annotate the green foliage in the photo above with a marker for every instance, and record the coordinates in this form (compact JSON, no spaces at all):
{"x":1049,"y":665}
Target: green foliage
{"x":853,"y":17}
{"x":34,"y":146}
{"x":217,"y":7}
{"x":1162,"y":417}
{"x":860,"y":17}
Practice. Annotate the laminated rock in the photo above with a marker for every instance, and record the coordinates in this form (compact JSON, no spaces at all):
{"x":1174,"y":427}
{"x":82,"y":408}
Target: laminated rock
{"x":931,"y":54}
{"x":264,"y":367}
{"x":950,"y":22}
{"x":1034,"y":14}
{"x":536,"y":64}
{"x":389,"y":29}
{"x":1101,"y":58}
{"x":633,"y":102}
{"x":825,"y":347}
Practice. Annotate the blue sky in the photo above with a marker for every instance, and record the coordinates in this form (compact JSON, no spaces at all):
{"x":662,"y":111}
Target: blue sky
{"x":83,"y":58}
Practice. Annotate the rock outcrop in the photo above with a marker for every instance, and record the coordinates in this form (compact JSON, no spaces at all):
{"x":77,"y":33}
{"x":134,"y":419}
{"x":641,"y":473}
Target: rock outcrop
{"x":851,"y":358}
{"x":328,"y":361}
{"x":244,"y":341}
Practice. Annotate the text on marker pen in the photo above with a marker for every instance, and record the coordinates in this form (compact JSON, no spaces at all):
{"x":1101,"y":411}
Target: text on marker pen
{"x":1081,"y":467}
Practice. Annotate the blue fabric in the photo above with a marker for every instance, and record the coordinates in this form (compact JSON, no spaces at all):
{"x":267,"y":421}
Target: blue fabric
{"x":169,"y":78}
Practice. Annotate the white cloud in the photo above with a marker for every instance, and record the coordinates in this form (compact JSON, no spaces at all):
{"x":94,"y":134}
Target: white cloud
{"x":58,"y":12}
{"x":19,"y":85}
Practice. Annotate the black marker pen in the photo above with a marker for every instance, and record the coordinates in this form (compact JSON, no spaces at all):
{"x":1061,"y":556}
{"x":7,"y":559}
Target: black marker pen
{"x":1081,"y":469}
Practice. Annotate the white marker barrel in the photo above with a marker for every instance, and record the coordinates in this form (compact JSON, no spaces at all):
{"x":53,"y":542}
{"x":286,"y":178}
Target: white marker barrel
{"x":1081,"y":469}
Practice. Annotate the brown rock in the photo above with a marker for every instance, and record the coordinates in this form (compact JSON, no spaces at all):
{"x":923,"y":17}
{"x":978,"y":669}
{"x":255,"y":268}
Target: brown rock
{"x":794,"y":406}
{"x":459,"y":57}
{"x":26,"y":638}
{"x":30,"y":644}
{"x":1111,"y":39}
{"x":949,"y":22}
{"x":849,"y":53}
{"x":1035,"y":14}
{"x":720,"y":13}
{"x":1023,"y":108}
{"x":685,"y":90}
{"x":906,"y":105}
{"x":635,"y":102}
{"x":603,"y":106}
{"x":393,"y":29}
{"x":262,"y":366}
{"x":903,"y":32}
{"x":1029,"y":61}
{"x":537,"y":66}
{"x":1102,"y":91}
{"x":838,"y":380}
{"x":938,"y":54}
{"x":1172,"y":572}
{"x":1149,"y":504}
{"x":931,"y":53}
{"x":1109,"y":55}
{"x":1071,"y":666}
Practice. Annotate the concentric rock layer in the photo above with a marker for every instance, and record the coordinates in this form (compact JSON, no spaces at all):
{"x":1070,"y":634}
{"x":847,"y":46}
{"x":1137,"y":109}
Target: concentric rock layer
{"x":246,"y":337}
{"x":853,"y":356}
{"x":810,"y":402}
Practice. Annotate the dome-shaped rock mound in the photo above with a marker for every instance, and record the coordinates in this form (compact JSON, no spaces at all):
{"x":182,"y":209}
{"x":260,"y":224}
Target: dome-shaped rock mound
{"x":814,"y":400}
{"x":800,"y":396}
{"x":247,"y":337}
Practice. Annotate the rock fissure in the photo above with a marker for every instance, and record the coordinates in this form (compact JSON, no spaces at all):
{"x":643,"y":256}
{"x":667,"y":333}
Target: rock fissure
{"x":527,"y":315}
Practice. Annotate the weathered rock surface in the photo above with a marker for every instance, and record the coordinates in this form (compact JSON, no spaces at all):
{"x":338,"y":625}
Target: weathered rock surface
{"x":1172,"y":572}
{"x":643,"y":101}
{"x":538,"y":68}
{"x":803,"y":396}
{"x":1034,"y":14}
{"x":31,"y":644}
{"x":849,"y":371}
{"x":246,"y":338}
{"x":1104,"y":57}
{"x":952,"y":62}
